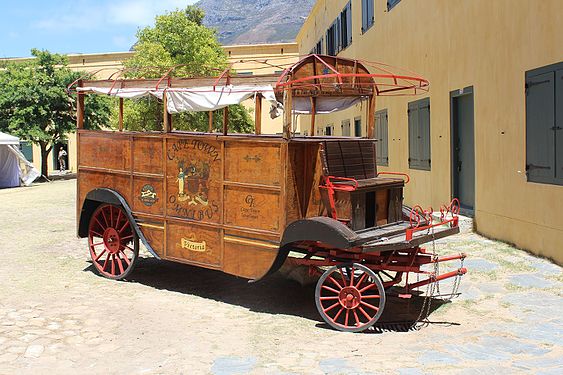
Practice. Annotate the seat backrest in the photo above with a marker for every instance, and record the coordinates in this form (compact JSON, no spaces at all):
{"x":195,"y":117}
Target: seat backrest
{"x":352,"y":158}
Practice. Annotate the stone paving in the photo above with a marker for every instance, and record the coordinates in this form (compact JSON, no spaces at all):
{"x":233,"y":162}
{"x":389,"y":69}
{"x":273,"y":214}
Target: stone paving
{"x":58,"y":317}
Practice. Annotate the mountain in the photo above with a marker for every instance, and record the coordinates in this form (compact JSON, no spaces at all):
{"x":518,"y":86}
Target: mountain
{"x":258,"y":21}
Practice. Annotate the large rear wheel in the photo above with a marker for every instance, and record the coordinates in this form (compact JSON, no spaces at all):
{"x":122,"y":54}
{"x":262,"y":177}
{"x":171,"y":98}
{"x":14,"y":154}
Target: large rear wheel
{"x":113,"y":243}
{"x":350,"y":297}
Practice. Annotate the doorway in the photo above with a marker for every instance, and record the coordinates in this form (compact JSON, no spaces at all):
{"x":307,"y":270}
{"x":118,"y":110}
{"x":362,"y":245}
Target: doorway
{"x":55,"y":151}
{"x":463,"y":148}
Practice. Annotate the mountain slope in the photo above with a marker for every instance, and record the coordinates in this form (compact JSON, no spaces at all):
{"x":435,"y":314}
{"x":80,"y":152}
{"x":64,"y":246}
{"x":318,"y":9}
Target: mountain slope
{"x":259,"y":21}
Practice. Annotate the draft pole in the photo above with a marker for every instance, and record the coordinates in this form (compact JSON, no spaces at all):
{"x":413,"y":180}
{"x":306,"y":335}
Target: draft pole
{"x":120,"y":114}
{"x":258,"y":114}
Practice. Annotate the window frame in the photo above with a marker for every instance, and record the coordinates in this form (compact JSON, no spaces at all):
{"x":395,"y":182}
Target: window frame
{"x":367,"y":22}
{"x":392,"y":4}
{"x":417,"y":161}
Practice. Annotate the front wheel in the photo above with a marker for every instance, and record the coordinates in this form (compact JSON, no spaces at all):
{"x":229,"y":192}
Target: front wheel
{"x":350,"y":297}
{"x":113,"y":243}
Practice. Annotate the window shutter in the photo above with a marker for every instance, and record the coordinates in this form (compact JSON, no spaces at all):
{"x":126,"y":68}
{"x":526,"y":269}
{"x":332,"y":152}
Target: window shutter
{"x":413,"y":135}
{"x":349,"y":23}
{"x":424,"y":133}
{"x":385,"y":137}
{"x":559,"y":125}
{"x":338,"y":30}
{"x":540,"y":120}
{"x":369,"y":13}
{"x":378,"y":136}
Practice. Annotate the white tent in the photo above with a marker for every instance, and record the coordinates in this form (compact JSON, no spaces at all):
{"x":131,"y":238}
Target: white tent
{"x":13,"y":165}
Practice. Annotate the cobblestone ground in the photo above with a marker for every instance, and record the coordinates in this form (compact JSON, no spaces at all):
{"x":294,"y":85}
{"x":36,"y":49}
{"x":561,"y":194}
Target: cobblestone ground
{"x":57,"y":316}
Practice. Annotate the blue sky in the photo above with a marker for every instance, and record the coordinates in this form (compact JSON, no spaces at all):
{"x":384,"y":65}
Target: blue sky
{"x":76,"y":26}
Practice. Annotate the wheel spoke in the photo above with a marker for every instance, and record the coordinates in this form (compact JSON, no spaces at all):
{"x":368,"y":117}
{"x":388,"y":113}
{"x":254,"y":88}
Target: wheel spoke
{"x":123,"y":227}
{"x":104,"y":216}
{"x":118,"y":217}
{"x":96,"y":244}
{"x":100,"y":224}
{"x":127,"y":237}
{"x":106,"y":262}
{"x":335,"y":282}
{"x":120,"y":265}
{"x":113,"y":264}
{"x":342,"y":275}
{"x":110,"y":216}
{"x":371,"y":296}
{"x":366,"y":288}
{"x":338,"y":314}
{"x":328,"y":298}
{"x":100,"y":255}
{"x":125,"y":257}
{"x":364,"y":313}
{"x":351,"y":275}
{"x":356,"y":317}
{"x":127,"y":247}
{"x":331,"y":307}
{"x":361,"y":279}
{"x":331,"y":289}
{"x":97,"y":234}
{"x":346,"y":318}
{"x":370,"y":306}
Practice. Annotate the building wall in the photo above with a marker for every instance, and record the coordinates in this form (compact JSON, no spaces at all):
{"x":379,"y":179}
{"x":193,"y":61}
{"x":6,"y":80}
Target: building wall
{"x":488,"y":45}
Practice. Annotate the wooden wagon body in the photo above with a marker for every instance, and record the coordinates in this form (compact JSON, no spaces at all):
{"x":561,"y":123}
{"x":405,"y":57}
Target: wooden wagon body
{"x":241,"y":203}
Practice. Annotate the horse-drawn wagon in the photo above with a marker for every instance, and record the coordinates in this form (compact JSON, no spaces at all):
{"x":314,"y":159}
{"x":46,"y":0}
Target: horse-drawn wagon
{"x":241,"y":203}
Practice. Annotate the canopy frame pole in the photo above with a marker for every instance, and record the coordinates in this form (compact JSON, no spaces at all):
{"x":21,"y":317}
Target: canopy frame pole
{"x":120,"y":120}
{"x":287,"y":109}
{"x":371,"y":115}
{"x":258,"y":114}
{"x":166,"y":116}
{"x":313,"y":114}
{"x":210,"y":126}
{"x":80,"y":108}
{"x":226,"y":109}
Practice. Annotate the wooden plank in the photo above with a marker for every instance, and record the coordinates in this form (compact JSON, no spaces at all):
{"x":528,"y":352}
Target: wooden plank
{"x":258,"y":114}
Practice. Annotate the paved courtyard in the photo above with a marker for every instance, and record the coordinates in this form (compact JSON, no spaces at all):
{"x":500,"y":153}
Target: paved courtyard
{"x":57,"y":316}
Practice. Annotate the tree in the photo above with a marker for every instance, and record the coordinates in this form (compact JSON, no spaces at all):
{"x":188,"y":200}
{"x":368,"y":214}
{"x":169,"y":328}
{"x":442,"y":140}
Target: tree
{"x":35,"y":106}
{"x":178,"y":39}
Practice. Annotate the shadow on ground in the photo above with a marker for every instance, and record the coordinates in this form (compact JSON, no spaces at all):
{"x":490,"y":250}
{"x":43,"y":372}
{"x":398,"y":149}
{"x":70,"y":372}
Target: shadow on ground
{"x":274,"y":294}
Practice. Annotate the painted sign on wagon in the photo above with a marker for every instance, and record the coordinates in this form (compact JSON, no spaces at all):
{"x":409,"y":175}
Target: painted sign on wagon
{"x":193,"y":179}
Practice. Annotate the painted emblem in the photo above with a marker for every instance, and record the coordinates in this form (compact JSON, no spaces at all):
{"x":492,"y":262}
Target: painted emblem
{"x":191,"y":244}
{"x":192,"y":182}
{"x":148,"y":195}
{"x":256,"y":158}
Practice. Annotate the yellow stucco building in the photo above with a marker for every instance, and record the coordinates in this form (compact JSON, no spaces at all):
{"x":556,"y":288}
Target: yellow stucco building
{"x":489,"y":130}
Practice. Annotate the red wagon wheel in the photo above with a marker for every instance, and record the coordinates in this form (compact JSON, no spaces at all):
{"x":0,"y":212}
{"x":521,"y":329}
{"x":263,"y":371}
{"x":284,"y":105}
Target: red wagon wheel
{"x":114,"y":245}
{"x":350,"y":297}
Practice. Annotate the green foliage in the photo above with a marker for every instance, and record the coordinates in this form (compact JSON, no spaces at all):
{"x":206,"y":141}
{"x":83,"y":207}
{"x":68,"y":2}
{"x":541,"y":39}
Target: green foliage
{"x":34,"y":103}
{"x":178,"y":39}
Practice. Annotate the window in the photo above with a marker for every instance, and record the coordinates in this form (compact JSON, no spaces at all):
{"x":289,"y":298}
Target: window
{"x":367,"y":15}
{"x":345,"y":128}
{"x":419,"y":134}
{"x":328,"y":130}
{"x":318,"y":49}
{"x":26,"y":149}
{"x":391,"y":4}
{"x":346,"y":26}
{"x":544,"y":124}
{"x":358,"y":126}
{"x":382,"y":136}
{"x":339,"y":34}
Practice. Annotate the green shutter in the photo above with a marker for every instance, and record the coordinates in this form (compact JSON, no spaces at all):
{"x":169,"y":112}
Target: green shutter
{"x":559,"y":126}
{"x":424,"y":133}
{"x":540,"y":120}
{"x":414,"y":161}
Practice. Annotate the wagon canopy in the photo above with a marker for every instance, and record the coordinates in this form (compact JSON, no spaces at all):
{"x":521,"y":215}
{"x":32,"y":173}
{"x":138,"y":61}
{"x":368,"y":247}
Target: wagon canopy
{"x":326,"y":84}
{"x":197,"y":99}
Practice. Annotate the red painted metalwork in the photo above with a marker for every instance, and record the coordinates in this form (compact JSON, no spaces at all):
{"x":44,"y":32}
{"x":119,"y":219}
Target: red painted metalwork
{"x":419,"y":216}
{"x":350,"y":297}
{"x":342,"y":184}
{"x":113,"y":244}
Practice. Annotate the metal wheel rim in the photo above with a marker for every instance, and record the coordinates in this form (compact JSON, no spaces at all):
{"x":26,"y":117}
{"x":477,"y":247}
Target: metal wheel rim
{"x":350,"y":305}
{"x":112,"y":241}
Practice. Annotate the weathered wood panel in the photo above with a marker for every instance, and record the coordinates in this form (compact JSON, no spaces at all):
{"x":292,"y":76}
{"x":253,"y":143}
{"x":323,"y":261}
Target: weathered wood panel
{"x":194,"y":243}
{"x":148,"y":155}
{"x":108,"y":151}
{"x":252,"y":208}
{"x":257,"y":163}
{"x":248,"y":256}
{"x":154,"y":233}
{"x":89,"y":180}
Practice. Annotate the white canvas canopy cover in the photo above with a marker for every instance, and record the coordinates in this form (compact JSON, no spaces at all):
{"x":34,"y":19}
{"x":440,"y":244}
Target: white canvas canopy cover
{"x":13,"y":164}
